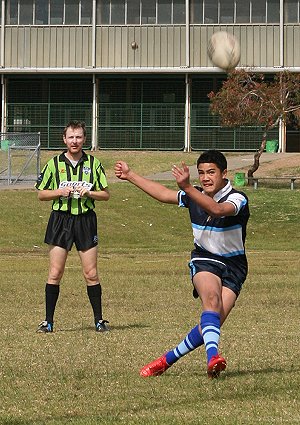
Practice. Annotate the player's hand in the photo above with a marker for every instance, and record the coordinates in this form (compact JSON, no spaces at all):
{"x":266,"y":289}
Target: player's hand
{"x":121,"y":170}
{"x":182,"y":175}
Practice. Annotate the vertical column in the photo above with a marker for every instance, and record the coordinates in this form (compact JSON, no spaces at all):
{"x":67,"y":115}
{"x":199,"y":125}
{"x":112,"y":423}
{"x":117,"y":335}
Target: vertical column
{"x":187,"y":134}
{"x":281,"y":34}
{"x":187,"y":33}
{"x":95,"y":114}
{"x":2,"y":42}
{"x":94,"y":17}
{"x":3,"y":104}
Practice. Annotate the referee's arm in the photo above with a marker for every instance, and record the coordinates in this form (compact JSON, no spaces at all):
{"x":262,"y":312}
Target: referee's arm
{"x":50,"y":195}
{"x":99,"y":195}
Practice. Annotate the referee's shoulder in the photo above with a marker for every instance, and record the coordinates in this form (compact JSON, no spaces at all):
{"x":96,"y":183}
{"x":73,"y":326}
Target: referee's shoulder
{"x":54,"y":158}
{"x":97,"y":161}
{"x":51,"y":161}
{"x":89,"y":154}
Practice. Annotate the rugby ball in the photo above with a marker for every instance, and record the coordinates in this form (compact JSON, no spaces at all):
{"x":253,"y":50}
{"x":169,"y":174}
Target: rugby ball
{"x":224,"y":50}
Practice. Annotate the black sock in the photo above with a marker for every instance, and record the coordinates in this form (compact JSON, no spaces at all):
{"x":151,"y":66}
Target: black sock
{"x":52,"y":293}
{"x":94,"y":293}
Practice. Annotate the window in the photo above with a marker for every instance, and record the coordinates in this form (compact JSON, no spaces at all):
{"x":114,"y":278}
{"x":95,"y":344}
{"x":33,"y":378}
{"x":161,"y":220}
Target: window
{"x":236,"y":11}
{"x":41,"y":12}
{"x":291,"y":11}
{"x":86,"y":12}
{"x":12,"y":12}
{"x":148,"y":11}
{"x":45,"y":12}
{"x":258,"y":11}
{"x":139,"y":12}
{"x":273,"y":12}
{"x":71,"y":12}
{"x":211,"y":12}
{"x":152,"y":12}
{"x":178,"y":11}
{"x":226,"y":11}
{"x":56,"y":12}
{"x":242,"y":14}
{"x":196,"y":13}
{"x":164,"y":12}
{"x":117,"y":12}
{"x":133,"y":12}
{"x":103,"y":12}
{"x":26,"y":12}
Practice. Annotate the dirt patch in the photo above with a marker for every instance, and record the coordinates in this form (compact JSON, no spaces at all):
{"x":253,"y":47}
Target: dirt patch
{"x":287,"y":166}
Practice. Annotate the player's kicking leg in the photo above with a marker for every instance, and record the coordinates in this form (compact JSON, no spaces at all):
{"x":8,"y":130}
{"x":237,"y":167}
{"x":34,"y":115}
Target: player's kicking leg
{"x":193,"y":340}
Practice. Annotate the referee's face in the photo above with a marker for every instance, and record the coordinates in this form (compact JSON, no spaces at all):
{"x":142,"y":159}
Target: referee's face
{"x":74,"y":140}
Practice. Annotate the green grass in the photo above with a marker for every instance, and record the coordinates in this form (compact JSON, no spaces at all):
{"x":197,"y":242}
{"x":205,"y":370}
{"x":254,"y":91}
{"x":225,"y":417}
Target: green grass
{"x":77,"y":376}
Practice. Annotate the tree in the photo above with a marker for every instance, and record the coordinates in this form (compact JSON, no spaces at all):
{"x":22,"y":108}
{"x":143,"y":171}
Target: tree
{"x":250,"y":99}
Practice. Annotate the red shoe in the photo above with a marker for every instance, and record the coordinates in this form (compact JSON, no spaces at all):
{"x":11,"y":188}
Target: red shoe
{"x":155,"y":368}
{"x":215,"y":366}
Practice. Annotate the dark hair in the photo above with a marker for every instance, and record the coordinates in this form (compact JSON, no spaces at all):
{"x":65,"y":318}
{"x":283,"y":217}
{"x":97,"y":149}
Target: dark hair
{"x":75,"y":124}
{"x":214,"y":157}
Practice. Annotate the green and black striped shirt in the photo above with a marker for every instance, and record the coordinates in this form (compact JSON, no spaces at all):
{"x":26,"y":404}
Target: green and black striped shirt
{"x":60,"y":172}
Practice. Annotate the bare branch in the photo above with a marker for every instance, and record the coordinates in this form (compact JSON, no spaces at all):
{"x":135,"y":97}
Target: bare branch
{"x":247,"y":99}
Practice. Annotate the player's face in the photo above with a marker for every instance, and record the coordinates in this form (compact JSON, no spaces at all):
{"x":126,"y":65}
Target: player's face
{"x":74,"y":140}
{"x":211,"y":178}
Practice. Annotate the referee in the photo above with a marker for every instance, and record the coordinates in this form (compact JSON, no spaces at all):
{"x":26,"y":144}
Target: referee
{"x":73,"y":181}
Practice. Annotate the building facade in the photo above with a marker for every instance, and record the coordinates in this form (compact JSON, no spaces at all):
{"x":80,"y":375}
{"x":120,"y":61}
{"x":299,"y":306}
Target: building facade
{"x":137,"y":71}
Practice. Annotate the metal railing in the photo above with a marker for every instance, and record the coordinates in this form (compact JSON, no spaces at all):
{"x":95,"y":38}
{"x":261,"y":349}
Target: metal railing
{"x":19,"y":157}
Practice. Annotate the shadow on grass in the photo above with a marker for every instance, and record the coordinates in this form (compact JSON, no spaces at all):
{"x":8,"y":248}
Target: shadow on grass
{"x":232,"y":374}
{"x":265,"y":371}
{"x":65,"y":419}
{"x":112,"y":328}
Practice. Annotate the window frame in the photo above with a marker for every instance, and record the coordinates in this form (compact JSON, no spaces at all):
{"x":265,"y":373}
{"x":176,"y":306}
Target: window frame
{"x":138,"y":20}
{"x":17,"y":5}
{"x":152,"y":20}
{"x":216,"y":19}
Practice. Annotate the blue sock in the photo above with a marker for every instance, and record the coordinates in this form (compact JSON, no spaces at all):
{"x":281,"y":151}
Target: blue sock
{"x":210,"y":326}
{"x":191,"y":341}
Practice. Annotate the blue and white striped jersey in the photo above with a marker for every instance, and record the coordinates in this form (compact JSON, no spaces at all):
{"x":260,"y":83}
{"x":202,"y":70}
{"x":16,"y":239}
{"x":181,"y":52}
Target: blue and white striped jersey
{"x":224,"y":236}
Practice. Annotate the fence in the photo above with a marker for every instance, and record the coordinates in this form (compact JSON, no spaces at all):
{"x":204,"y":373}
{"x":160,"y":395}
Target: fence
{"x":19,"y":158}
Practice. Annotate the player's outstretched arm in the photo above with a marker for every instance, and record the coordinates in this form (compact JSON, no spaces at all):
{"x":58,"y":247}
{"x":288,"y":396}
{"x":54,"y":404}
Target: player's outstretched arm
{"x":154,"y":189}
{"x":213,"y":208}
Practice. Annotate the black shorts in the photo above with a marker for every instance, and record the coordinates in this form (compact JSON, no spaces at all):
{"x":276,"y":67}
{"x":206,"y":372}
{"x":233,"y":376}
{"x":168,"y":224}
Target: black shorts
{"x":232,"y":271}
{"x":64,"y":229}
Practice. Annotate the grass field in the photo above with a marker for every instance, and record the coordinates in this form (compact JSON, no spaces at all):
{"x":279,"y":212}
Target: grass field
{"x":75,"y":376}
